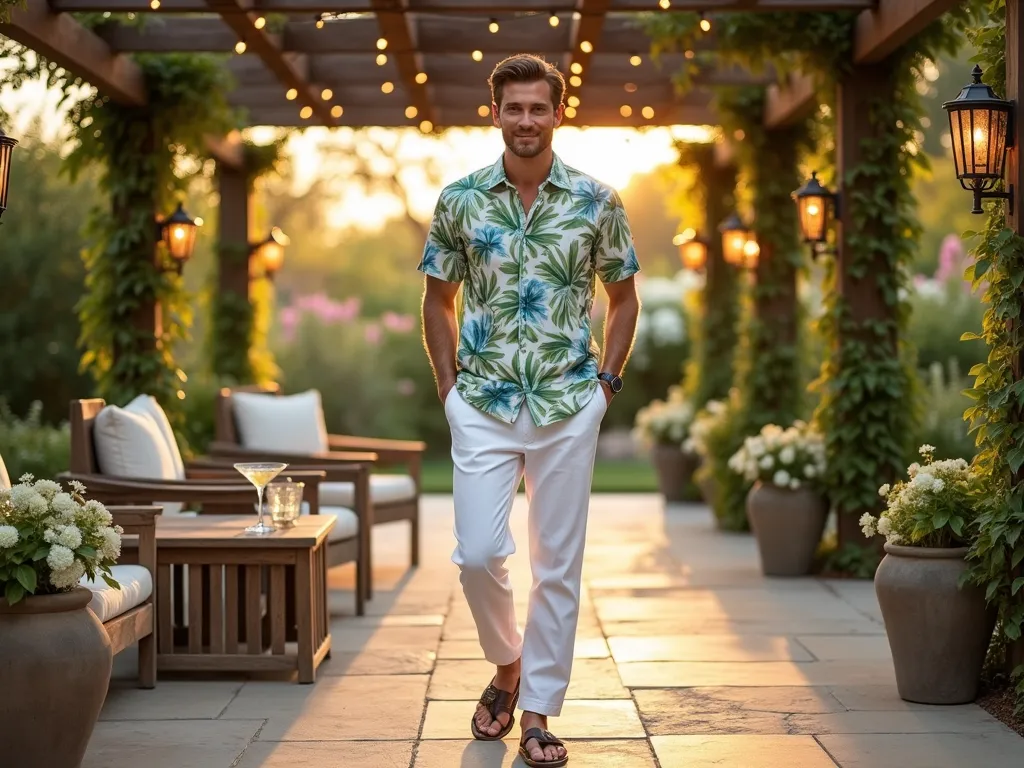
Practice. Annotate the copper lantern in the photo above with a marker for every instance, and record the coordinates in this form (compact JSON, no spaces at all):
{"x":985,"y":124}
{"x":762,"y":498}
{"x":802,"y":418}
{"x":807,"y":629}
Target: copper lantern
{"x":980,"y":129}
{"x":693,"y":250}
{"x":271,"y":251}
{"x":7,"y":145}
{"x":178,"y":232}
{"x":812,"y":205}
{"x":735,"y":235}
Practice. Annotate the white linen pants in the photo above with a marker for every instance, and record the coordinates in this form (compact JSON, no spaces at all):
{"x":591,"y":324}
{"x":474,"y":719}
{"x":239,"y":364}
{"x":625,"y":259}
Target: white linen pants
{"x":490,"y":459}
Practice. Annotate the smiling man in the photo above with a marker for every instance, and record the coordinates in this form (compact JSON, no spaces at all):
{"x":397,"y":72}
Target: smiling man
{"x":525,"y":386}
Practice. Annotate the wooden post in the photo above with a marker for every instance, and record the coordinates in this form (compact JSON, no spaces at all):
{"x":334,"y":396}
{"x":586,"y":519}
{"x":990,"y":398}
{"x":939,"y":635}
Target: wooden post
{"x":1015,"y":176}
{"x":863,"y":296}
{"x":233,"y":225}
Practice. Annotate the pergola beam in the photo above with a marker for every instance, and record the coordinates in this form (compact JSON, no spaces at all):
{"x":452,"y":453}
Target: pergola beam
{"x":398,"y":29}
{"x":791,"y":103}
{"x":883,"y":29}
{"x":453,"y":7}
{"x":288,"y":70}
{"x":585,"y":29}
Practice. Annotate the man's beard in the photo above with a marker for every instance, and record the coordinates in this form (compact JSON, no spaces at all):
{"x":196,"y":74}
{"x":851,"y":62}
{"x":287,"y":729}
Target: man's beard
{"x":522,"y":148}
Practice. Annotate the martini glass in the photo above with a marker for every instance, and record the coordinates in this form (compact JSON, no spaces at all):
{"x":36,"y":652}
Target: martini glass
{"x":259,"y":473}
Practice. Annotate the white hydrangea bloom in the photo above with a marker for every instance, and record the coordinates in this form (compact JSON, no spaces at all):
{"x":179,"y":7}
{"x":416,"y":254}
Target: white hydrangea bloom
{"x":867,"y":524}
{"x":781,"y":478}
{"x":27,"y":501}
{"x":70,"y":536}
{"x":111,"y":547}
{"x":66,"y":578}
{"x":47,"y":489}
{"x":64,"y":506}
{"x":767,"y":462}
{"x":787,"y":455}
{"x":8,"y":536}
{"x":60,"y":557}
{"x":884,"y":525}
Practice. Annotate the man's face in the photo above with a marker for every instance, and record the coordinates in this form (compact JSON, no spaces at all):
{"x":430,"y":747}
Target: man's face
{"x":527,"y":117}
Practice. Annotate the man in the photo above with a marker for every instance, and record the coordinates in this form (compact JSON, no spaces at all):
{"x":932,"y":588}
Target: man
{"x":522,"y":385}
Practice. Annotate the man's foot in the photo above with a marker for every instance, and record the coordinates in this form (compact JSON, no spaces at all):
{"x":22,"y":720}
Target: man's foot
{"x":547,"y":754}
{"x":505,"y":679}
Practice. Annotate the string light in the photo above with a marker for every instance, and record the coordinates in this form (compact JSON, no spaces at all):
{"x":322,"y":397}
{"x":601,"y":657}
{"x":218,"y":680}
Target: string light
{"x":306,"y":112}
{"x":478,"y":56}
{"x":411,"y":112}
{"x":689,"y":54}
{"x":705,"y":24}
{"x":635,"y":60}
{"x":260,"y":22}
{"x":553,"y":20}
{"x":630,"y":87}
{"x":625,"y":110}
{"x":292,"y":93}
{"x":576,"y":15}
{"x":586,"y":47}
{"x":665,"y":4}
{"x":426,"y":126}
{"x":337,"y":111}
{"x":382,"y":43}
{"x":648,"y":112}
{"x":570,"y":112}
{"x":382,"y":59}
{"x":154,"y":4}
{"x":483,"y":110}
{"x":575,"y":81}
{"x":326,"y":94}
{"x":493,"y":26}
{"x":319,"y":23}
{"x":387,"y":86}
{"x":576,"y":68}
{"x":574,"y":101}
{"x":240,"y":47}
{"x":421,"y":77}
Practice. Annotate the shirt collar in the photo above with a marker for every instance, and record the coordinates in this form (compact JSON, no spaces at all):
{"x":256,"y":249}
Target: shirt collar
{"x":558,"y":175}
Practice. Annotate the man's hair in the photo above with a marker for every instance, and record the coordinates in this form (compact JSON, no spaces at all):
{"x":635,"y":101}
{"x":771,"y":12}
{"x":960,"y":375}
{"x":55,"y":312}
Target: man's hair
{"x":526,"y":68}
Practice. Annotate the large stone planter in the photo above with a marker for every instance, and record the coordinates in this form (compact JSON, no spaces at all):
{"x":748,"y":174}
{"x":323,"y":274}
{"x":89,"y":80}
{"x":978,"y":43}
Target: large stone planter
{"x":788,"y":525}
{"x":674,"y":468}
{"x":938,"y":633}
{"x":55,"y":662}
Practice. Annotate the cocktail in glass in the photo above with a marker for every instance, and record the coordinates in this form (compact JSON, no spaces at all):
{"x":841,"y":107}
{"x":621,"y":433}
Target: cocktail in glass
{"x":259,"y":473}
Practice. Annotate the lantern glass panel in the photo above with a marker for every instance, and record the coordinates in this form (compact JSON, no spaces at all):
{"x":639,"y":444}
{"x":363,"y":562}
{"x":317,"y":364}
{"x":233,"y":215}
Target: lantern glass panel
{"x":979,"y":145}
{"x":272,"y":256}
{"x":693,"y":254}
{"x":812,"y":218}
{"x":733,"y":242}
{"x":751,"y":252}
{"x":180,"y":238}
{"x":6,"y":149}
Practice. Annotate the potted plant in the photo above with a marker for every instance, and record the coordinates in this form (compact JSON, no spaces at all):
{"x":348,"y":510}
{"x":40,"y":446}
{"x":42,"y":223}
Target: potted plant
{"x":662,"y":426}
{"x":786,"y":506}
{"x":55,"y":656}
{"x":939,"y":625}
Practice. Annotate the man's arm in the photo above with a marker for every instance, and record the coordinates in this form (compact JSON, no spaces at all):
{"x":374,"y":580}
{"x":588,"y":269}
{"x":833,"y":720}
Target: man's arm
{"x":620,"y":325}
{"x":440,"y":331}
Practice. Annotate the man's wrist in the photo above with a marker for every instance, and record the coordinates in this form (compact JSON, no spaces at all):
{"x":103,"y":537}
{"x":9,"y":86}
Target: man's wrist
{"x":611,"y":380}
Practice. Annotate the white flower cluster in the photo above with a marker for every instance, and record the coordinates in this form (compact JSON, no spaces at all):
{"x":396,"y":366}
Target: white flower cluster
{"x":59,"y":535}
{"x":787,"y":458}
{"x":662,"y":320}
{"x":703,"y":423}
{"x":936,"y":491}
{"x":664,"y":422}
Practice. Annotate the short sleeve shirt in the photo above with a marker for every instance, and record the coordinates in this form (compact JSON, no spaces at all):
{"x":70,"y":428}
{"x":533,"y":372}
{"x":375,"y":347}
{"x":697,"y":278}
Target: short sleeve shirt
{"x":528,"y":285}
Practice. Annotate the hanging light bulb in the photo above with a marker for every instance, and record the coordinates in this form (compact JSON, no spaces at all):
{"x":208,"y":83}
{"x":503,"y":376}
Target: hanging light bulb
{"x":411,"y":112}
{"x":326,"y":94}
{"x":260,"y":22}
{"x":576,"y":68}
{"x":575,"y":81}
{"x":648,"y":112}
{"x":426,"y":126}
{"x":319,"y":23}
{"x":493,"y":26}
{"x":553,"y":20}
{"x":705,"y":24}
{"x":337,"y":111}
{"x":421,"y":77}
{"x":382,"y":59}
{"x":291,"y":94}
{"x":240,"y":47}
{"x":382,"y":43}
{"x":483,"y":110}
{"x":635,"y":60}
{"x":154,"y":4}
{"x":586,"y":46}
{"x":574,"y":101}
{"x":665,"y":4}
{"x":387,"y":86}
{"x":625,"y":110}
{"x":478,"y":56}
{"x":306,"y":112}
{"x":570,"y":112}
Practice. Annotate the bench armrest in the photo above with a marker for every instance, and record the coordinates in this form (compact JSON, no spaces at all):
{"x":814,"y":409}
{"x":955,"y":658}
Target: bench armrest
{"x":139,"y":521}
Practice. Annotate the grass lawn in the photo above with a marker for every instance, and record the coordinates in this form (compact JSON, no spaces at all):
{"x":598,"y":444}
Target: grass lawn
{"x":609,"y":477}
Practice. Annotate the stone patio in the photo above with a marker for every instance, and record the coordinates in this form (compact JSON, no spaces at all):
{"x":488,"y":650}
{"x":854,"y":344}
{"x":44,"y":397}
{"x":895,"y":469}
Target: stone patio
{"x":686,"y":656}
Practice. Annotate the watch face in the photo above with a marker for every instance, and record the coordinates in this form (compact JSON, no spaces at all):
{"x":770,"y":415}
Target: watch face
{"x":616,"y":384}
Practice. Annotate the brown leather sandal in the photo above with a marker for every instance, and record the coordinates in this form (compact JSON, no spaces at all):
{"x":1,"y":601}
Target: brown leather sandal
{"x":544,"y":738}
{"x":497,"y":702}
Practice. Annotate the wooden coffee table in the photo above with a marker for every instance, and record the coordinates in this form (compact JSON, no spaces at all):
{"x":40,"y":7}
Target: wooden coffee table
{"x":230,"y":601}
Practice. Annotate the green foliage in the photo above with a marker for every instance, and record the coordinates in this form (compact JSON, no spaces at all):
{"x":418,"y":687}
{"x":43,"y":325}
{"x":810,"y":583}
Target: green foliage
{"x":42,"y":276}
{"x":713,"y":334}
{"x":723,"y":439}
{"x":937,"y":321}
{"x":942,"y":424}
{"x":29,"y":445}
{"x":997,"y":416}
{"x":6,"y":6}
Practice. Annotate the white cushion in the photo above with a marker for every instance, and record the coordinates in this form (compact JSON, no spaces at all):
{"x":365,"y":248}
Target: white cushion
{"x":347,"y":524}
{"x":147,"y":405}
{"x":288,"y":424}
{"x":107,"y":603}
{"x":5,"y":479}
{"x":383,"y":489}
{"x":130,"y":444}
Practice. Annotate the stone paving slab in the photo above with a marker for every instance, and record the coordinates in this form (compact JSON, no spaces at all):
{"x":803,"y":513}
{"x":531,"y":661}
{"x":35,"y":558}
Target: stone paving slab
{"x":328,"y":754}
{"x":586,"y":648}
{"x":169,"y":743}
{"x":461,"y":679}
{"x":626,"y":753}
{"x":707,"y":648}
{"x":171,"y":700}
{"x":383,"y":662}
{"x":740,"y":751}
{"x":335,"y":708}
{"x":846,"y":648}
{"x":345,"y":638}
{"x":697,"y":624}
{"x":874,"y":698}
{"x":932,"y":750}
{"x":685,"y":674}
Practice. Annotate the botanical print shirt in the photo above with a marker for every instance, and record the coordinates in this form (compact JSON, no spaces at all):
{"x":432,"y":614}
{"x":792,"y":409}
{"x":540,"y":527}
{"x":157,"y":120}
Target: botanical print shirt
{"x":528,"y":286}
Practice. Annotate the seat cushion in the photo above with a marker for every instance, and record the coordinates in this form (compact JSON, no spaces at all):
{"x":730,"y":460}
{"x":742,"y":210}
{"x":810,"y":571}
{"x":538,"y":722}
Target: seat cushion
{"x":285,"y":424}
{"x":147,"y":405}
{"x":5,"y":479}
{"x":107,"y":603}
{"x":384,"y":489}
{"x":347,"y":524}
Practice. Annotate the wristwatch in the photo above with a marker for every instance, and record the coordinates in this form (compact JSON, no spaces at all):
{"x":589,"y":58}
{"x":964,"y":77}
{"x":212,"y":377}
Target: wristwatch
{"x":614,"y":381}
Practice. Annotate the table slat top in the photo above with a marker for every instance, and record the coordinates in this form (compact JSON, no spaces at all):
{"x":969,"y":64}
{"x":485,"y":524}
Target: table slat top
{"x":229,"y":531}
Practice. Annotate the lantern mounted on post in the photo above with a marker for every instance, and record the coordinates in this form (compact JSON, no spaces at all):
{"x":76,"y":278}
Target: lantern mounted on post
{"x":812,"y":204}
{"x":7,"y":145}
{"x":270,"y":252}
{"x":981,"y":129}
{"x":738,"y":245}
{"x":693,"y":249}
{"x":178,"y":233}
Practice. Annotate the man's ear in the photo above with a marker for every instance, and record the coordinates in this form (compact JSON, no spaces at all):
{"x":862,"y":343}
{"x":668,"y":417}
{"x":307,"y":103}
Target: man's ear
{"x":494,"y":115}
{"x":559,"y":114}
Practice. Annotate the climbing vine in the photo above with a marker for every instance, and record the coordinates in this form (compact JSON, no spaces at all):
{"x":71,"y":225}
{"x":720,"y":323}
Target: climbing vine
{"x":135,"y":309}
{"x":997,"y":417}
{"x":237,"y":342}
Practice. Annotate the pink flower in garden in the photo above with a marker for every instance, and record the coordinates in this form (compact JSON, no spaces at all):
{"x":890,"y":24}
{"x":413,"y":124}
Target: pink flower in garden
{"x":398,"y":323}
{"x":406,"y":387}
{"x":289,"y":318}
{"x":951,"y":259}
{"x":373,"y":333}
